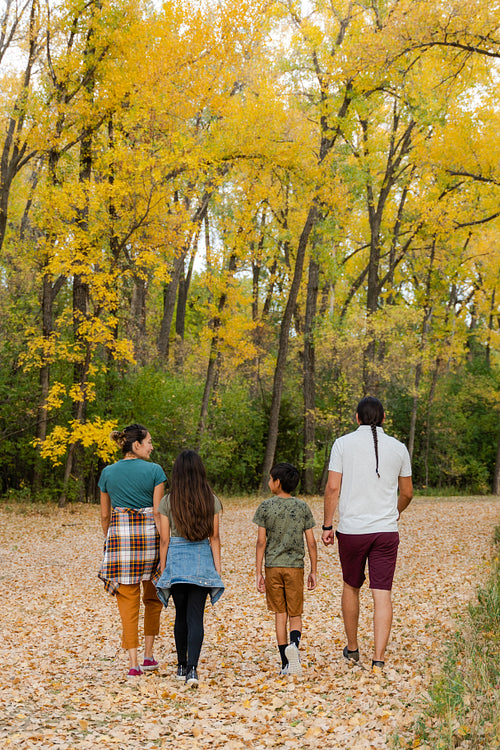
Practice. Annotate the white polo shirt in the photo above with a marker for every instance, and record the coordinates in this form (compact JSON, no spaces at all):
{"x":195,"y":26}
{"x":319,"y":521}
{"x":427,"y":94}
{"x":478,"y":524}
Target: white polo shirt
{"x":369,"y":504}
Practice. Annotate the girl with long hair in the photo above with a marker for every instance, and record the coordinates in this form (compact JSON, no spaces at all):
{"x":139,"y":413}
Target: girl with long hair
{"x":190,"y":558}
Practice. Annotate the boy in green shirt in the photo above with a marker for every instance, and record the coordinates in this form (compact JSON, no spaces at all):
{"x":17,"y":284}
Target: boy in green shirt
{"x":283,"y":521}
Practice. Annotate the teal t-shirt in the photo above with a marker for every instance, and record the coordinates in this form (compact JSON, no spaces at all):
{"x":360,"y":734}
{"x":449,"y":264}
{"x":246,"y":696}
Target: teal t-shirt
{"x":130,"y":483}
{"x":285,"y":520}
{"x":165,"y":509}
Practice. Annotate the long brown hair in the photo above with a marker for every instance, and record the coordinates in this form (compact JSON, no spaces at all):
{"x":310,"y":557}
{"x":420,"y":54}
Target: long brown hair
{"x":191,"y":498}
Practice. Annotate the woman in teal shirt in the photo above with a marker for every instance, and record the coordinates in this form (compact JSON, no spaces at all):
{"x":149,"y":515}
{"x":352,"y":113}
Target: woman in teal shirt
{"x":131,"y":490}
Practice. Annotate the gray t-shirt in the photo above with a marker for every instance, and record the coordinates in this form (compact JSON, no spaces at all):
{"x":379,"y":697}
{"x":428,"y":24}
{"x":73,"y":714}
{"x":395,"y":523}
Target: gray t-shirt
{"x":285,"y":520}
{"x":165,"y":509}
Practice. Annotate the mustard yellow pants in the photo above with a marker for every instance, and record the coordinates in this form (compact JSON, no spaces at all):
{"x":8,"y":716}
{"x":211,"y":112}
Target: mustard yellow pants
{"x":128,"y":598}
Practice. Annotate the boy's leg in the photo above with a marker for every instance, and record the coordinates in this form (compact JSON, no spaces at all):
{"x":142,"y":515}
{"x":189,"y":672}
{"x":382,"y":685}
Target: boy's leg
{"x":350,"y":613}
{"x":296,"y":629}
{"x":281,"y":635}
{"x":294,"y":593}
{"x":275,"y":597}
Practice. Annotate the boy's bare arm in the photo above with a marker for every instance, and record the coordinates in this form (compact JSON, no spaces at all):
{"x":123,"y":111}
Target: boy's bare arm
{"x":260,"y":549}
{"x":313,"y":556}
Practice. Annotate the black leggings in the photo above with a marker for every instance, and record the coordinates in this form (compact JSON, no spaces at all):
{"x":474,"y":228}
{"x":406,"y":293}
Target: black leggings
{"x":189,"y":603}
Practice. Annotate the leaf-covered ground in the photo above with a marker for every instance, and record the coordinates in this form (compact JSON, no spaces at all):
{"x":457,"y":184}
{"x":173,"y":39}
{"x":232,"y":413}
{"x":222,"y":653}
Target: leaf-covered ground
{"x":62,"y":679}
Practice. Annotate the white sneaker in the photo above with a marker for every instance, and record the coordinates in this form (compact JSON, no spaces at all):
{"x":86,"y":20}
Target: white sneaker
{"x":293,"y":656}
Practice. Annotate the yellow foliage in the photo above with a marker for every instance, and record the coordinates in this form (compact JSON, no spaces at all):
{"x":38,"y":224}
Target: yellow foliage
{"x":93,"y":434}
{"x":56,"y":395}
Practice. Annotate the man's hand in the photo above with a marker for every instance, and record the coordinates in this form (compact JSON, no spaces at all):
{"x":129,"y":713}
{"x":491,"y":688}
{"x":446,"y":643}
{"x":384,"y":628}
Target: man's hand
{"x":328,"y":537}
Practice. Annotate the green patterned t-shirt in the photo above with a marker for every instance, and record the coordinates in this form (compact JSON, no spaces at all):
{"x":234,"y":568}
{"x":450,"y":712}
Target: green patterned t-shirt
{"x":285,"y":520}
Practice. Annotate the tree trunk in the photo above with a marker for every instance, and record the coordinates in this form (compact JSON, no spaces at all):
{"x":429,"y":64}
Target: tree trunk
{"x":180,"y":315}
{"x":430,"y":400}
{"x":169,"y":297}
{"x":137,"y":326}
{"x":170,"y":290}
{"x":425,"y":330}
{"x":272,"y":437}
{"x":80,"y":314}
{"x":14,"y":156}
{"x":214,"y":363}
{"x":398,"y":148}
{"x":309,"y":378}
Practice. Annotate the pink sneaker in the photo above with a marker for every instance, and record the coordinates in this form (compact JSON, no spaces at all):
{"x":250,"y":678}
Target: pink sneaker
{"x":150,"y":664}
{"x":135,"y":672}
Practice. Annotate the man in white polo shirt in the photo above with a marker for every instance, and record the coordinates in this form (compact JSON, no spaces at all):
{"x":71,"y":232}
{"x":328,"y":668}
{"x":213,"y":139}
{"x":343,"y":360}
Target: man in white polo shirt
{"x":369,"y":479}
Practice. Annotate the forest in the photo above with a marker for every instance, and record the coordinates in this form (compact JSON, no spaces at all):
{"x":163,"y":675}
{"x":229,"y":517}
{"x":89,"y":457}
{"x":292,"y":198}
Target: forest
{"x":229,"y":220}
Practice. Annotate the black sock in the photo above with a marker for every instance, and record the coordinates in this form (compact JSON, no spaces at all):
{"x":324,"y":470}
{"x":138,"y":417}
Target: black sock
{"x":295,"y":636}
{"x":284,"y":660}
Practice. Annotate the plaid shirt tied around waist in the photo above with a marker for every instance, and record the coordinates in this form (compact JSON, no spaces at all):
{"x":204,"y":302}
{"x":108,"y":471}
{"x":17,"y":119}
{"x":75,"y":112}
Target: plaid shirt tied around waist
{"x":131,"y":549}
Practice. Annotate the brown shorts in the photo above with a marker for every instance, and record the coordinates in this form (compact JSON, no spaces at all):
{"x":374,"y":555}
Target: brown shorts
{"x":381,"y":551}
{"x":285,"y":590}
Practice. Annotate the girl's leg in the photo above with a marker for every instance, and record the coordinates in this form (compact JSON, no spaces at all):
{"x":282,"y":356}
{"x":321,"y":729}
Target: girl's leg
{"x":195,"y":612}
{"x":152,"y":612}
{"x":128,"y":598}
{"x":180,"y":597}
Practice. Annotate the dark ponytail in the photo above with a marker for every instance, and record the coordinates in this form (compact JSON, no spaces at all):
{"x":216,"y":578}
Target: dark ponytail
{"x":371,"y":412}
{"x":128,"y":436}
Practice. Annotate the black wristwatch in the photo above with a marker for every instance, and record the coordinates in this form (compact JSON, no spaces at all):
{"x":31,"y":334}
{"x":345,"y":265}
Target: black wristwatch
{"x":327,"y":528}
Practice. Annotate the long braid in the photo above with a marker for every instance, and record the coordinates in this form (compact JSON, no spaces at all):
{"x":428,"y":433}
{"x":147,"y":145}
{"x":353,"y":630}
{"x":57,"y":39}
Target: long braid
{"x":371,"y":413}
{"x":375,"y":443}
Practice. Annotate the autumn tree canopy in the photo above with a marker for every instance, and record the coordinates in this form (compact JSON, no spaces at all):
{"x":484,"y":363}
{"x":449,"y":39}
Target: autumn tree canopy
{"x":231,"y":220}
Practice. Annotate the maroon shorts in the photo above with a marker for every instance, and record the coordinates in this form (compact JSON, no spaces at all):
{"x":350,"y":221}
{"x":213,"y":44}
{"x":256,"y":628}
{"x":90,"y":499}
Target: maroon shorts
{"x":381,"y":551}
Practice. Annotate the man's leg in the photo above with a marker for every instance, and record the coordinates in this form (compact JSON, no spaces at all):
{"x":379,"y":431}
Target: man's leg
{"x":382,"y":621}
{"x":350,"y":613}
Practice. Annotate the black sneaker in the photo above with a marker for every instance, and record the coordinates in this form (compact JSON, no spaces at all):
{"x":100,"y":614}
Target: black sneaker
{"x":192,"y":677}
{"x":181,"y":672}
{"x":351,"y":655}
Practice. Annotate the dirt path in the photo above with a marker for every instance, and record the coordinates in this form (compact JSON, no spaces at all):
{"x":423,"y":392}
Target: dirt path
{"x":62,"y":679}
